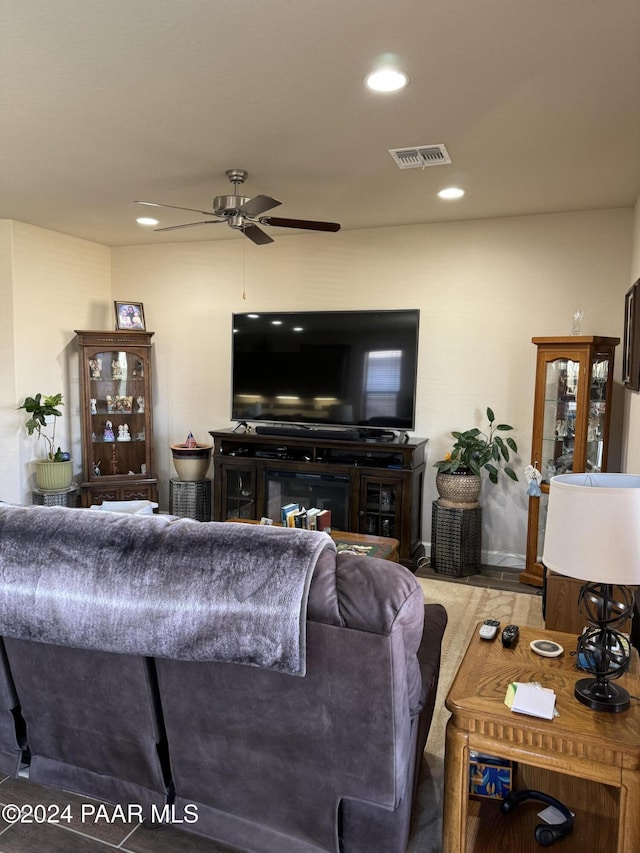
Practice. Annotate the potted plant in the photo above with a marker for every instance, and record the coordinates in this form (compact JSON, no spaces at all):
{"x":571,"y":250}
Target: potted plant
{"x":459,"y":473}
{"x":55,"y":472}
{"x":191,"y":459}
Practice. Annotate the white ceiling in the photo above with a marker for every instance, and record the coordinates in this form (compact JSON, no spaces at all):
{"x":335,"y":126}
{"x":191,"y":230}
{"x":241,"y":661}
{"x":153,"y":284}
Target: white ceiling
{"x":101,"y":103}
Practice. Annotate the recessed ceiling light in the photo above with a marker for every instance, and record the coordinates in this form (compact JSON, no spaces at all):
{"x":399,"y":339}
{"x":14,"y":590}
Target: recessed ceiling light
{"x":451,"y":192}
{"x":387,"y":80}
{"x":146,"y":220}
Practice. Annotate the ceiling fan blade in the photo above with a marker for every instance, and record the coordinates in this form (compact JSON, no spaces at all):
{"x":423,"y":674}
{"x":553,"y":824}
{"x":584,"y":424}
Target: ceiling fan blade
{"x":307,"y":224}
{"x":191,"y":224}
{"x":258,"y":204}
{"x":257,"y":235}
{"x":175,"y":207}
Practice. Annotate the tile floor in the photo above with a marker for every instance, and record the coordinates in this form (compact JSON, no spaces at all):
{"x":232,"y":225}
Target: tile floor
{"x":493,"y":577}
{"x":96,"y":833}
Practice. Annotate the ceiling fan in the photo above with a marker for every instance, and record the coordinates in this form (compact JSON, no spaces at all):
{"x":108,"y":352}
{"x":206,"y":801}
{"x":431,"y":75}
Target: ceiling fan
{"x":244,"y":214}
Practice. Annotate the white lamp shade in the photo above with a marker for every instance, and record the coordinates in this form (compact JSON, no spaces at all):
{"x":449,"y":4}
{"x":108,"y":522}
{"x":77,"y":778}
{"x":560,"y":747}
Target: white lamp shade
{"x":593,"y":527}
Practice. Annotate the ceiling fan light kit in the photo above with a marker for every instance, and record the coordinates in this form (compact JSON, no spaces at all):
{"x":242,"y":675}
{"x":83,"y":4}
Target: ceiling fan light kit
{"x":241,"y":213}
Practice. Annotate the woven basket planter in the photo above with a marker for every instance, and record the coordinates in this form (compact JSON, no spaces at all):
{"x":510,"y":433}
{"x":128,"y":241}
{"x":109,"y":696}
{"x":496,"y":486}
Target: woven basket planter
{"x":460,"y":491}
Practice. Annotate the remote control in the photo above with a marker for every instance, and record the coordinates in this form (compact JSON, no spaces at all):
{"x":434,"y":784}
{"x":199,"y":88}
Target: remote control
{"x":510,"y":636}
{"x":489,"y":629}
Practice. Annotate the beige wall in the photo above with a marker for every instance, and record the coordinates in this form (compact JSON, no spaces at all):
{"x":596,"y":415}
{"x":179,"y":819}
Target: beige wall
{"x":9,"y":469}
{"x":51,"y":284}
{"x":484,"y":289}
{"x":631,"y":457}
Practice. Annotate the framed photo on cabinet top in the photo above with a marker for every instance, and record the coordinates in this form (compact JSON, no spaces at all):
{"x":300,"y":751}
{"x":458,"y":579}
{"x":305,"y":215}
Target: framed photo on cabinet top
{"x":631,"y":340}
{"x":129,"y":317}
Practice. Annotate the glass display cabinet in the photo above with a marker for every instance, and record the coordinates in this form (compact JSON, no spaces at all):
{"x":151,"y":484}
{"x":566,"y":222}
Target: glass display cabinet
{"x":571,"y":416}
{"x":117,"y":417}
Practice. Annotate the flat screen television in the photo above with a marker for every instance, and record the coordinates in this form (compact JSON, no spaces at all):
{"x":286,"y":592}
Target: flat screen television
{"x":334,"y":368}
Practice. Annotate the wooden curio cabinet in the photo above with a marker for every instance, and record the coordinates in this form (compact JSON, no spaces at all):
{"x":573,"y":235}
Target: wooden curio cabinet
{"x":116,"y":413}
{"x":571,"y":416}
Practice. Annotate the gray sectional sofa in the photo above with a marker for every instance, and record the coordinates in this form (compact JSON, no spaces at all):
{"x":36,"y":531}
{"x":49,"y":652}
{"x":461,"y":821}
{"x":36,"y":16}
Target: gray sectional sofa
{"x":248,"y":675}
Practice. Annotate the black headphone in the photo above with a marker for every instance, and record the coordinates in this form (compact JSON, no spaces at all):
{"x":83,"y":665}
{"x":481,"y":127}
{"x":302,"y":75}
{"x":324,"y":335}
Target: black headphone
{"x":546,"y":833}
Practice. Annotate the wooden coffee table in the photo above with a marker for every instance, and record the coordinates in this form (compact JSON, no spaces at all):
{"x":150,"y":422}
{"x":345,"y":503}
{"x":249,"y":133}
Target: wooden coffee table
{"x":587,"y":759}
{"x":382,"y":547}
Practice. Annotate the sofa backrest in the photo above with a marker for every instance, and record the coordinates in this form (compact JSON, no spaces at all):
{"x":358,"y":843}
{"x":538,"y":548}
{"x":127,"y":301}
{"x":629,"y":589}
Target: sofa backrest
{"x":252,"y":745}
{"x":286,"y":751}
{"x":12,"y":736}
{"x":92,"y":721}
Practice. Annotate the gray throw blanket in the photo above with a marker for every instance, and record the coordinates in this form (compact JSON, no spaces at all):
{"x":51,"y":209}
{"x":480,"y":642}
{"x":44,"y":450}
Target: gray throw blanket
{"x":157,"y":586}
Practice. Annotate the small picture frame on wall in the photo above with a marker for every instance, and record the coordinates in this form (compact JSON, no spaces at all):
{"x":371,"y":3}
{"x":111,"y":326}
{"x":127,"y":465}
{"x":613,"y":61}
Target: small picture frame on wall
{"x":129,"y":317}
{"x":631,"y":340}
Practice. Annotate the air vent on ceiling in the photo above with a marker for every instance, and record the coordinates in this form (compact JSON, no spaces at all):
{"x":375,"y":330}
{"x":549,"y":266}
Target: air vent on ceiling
{"x":420,"y":156}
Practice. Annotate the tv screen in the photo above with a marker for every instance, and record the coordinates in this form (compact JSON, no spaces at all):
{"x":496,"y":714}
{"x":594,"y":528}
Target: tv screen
{"x":339,"y":368}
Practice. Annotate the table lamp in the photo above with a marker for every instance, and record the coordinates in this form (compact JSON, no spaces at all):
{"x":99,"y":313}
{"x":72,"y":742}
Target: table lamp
{"x":593,"y":534}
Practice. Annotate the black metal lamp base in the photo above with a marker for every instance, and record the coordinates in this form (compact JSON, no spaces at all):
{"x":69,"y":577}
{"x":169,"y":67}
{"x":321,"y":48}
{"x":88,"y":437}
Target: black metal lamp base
{"x":602,"y":696}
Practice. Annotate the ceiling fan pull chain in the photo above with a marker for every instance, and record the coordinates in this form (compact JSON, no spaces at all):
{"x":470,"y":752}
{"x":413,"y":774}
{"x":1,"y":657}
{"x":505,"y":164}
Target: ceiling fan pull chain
{"x":244,"y":270}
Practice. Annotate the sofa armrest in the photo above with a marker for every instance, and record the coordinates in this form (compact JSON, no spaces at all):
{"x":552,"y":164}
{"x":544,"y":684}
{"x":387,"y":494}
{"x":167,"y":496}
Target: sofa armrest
{"x":435,"y":622}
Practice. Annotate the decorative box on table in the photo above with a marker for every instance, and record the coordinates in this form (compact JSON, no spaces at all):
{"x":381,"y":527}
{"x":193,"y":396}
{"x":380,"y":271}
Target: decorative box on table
{"x":489,"y":776}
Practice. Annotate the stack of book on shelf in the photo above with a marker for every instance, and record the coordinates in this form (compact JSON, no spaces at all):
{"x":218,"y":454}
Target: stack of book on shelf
{"x":293,"y":515}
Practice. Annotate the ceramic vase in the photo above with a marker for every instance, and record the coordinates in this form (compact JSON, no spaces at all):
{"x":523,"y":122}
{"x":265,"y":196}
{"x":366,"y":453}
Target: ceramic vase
{"x":191,"y":463}
{"x":53,"y":476}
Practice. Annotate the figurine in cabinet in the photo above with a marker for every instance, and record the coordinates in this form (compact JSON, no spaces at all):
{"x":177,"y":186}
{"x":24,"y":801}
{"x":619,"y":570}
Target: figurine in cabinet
{"x":108,"y":432}
{"x":140,"y":402}
{"x":94,"y":406}
{"x":116,"y":369}
{"x":118,"y":404}
{"x":95,"y":366}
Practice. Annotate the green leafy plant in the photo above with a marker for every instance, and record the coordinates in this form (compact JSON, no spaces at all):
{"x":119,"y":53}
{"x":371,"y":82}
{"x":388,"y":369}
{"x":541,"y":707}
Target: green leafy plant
{"x":475,"y":450}
{"x":39,"y":409}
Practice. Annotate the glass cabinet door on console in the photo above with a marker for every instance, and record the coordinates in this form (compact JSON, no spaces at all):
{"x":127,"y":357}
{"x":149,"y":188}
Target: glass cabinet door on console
{"x":572,"y":411}
{"x":116,"y":413}
{"x":239,"y":489}
{"x":380,"y":506}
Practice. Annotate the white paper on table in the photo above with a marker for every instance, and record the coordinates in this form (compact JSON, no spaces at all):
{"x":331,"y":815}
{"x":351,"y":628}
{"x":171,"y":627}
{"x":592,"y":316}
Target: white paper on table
{"x":535,"y":701}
